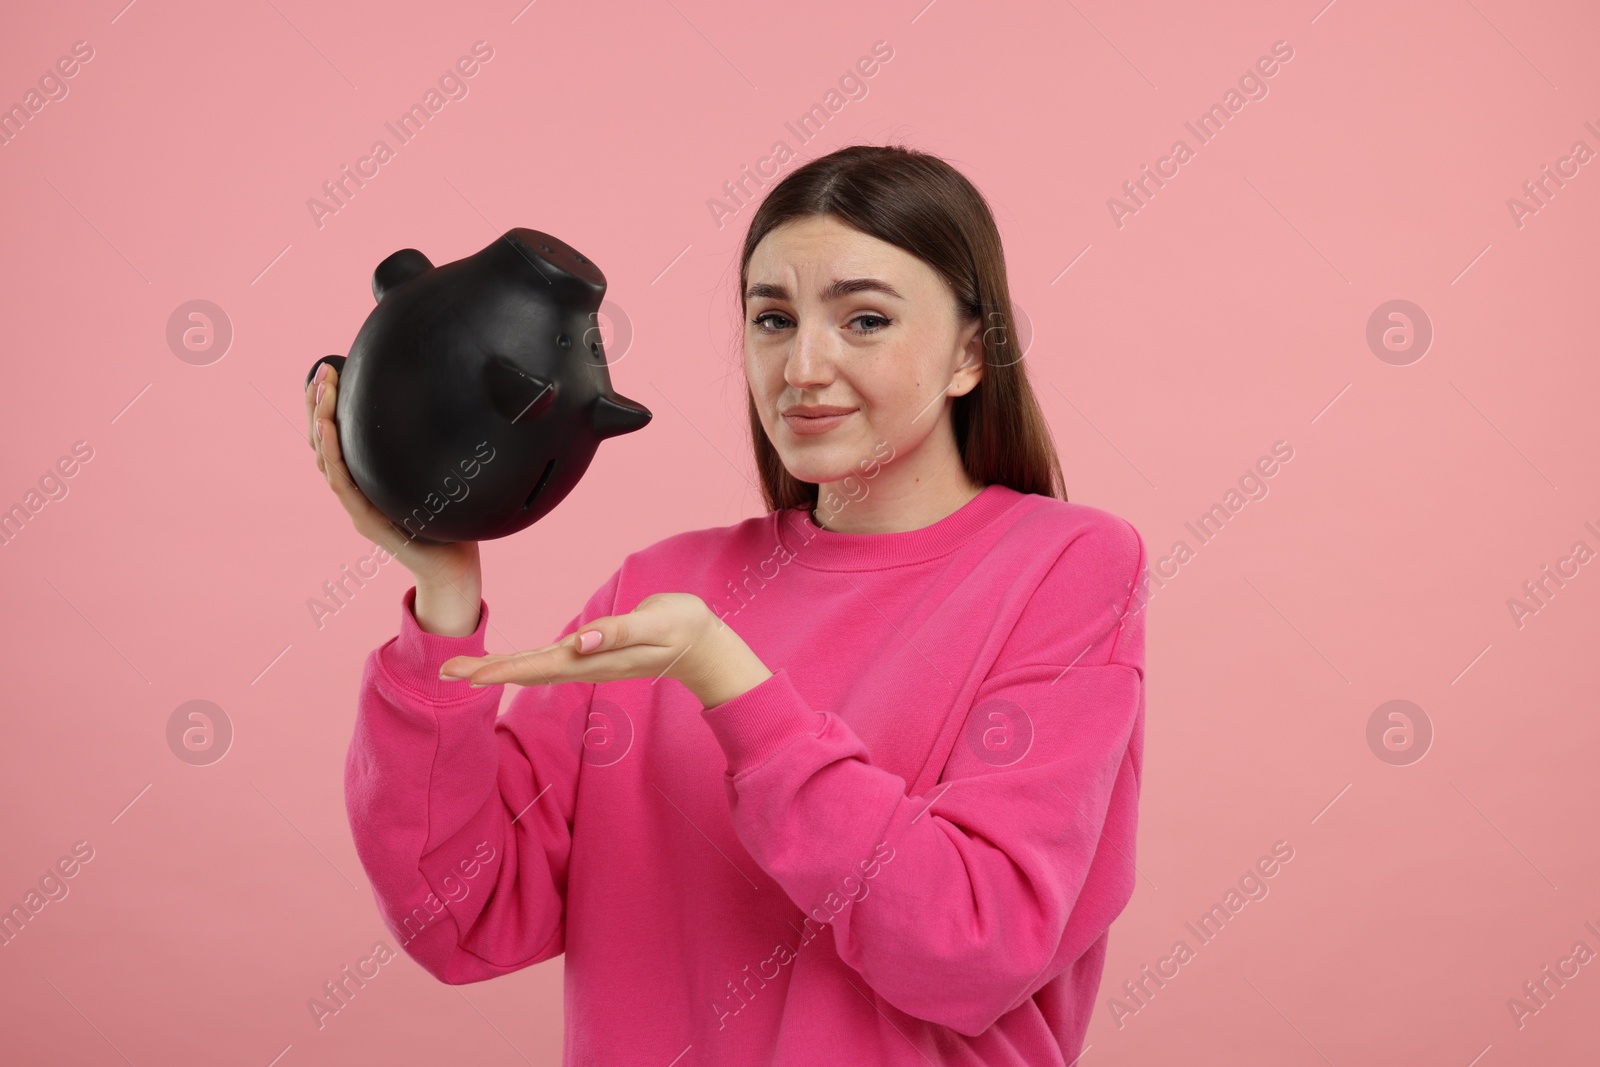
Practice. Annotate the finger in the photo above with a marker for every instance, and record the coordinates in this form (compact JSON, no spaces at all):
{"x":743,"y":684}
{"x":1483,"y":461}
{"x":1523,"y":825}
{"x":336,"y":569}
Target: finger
{"x":337,"y":473}
{"x":533,"y":667}
{"x":315,"y":389}
{"x":529,"y":667}
{"x":327,"y":440}
{"x":311,"y":414}
{"x":324,"y":395}
{"x":554,"y":667}
{"x":330,"y":461}
{"x":462,"y":665}
{"x":619,"y":631}
{"x":314,"y":412}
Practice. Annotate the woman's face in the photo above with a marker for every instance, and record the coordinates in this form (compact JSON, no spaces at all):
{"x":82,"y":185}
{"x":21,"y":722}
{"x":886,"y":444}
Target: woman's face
{"x":886,"y":351}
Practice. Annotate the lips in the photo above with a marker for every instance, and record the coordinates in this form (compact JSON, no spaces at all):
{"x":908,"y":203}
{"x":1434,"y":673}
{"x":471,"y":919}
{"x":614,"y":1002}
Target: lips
{"x":806,"y":425}
{"x":813,"y":410}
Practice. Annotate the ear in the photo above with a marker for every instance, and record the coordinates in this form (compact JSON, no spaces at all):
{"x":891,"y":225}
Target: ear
{"x":400,"y":267}
{"x":970,"y":370}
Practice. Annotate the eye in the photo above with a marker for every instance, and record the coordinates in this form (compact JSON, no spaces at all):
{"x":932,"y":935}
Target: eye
{"x":875,"y":322}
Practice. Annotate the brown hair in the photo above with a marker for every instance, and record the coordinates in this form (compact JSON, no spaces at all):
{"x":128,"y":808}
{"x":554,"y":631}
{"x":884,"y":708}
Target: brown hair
{"x":922,"y":204}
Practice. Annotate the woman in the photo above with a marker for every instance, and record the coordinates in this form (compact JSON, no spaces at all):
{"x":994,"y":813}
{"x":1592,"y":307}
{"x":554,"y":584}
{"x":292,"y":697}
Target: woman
{"x":854,"y":781}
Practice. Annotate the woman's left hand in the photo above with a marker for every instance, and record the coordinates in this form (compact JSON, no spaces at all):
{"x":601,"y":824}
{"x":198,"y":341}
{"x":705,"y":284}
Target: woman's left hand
{"x":672,"y":635}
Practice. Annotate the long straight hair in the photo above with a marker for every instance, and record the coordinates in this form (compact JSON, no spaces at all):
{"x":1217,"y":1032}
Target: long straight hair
{"x":922,"y":204}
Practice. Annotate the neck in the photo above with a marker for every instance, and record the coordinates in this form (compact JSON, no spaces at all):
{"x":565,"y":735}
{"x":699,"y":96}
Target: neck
{"x":895,"y":500}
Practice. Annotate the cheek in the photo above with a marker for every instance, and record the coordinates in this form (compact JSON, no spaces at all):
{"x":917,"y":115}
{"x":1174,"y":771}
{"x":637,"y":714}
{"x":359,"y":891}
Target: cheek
{"x":912,"y":359}
{"x":755,"y":368}
{"x":764,"y":380}
{"x":893,"y":380}
{"x":765,"y":375}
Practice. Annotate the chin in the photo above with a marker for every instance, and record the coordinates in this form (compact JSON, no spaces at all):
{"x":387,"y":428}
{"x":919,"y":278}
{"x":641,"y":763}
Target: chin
{"x":808,"y":470}
{"x":818,"y":470}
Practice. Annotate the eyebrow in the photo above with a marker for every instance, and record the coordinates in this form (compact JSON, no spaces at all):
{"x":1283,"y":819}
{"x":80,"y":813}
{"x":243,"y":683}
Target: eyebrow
{"x":840,"y":287}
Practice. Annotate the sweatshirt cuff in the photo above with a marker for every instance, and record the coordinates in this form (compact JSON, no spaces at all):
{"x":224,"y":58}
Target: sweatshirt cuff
{"x":758,"y":723}
{"x":413,"y":658}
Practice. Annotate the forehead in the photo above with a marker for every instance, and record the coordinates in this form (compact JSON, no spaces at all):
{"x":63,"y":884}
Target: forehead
{"x":822,"y":244}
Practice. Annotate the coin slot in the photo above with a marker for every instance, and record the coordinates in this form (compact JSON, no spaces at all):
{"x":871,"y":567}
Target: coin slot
{"x":543,"y":479}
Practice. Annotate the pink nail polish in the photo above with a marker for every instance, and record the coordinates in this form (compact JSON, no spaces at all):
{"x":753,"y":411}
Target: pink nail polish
{"x":589,"y":640}
{"x":320,"y":386}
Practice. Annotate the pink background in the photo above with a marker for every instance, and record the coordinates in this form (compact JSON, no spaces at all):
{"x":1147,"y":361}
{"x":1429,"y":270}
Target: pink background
{"x":1229,"y":313}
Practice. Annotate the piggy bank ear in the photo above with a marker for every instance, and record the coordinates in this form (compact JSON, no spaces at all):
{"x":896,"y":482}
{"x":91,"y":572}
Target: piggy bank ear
{"x":400,"y":267}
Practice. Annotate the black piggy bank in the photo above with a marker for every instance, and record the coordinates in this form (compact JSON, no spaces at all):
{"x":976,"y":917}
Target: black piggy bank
{"x":476,"y":393}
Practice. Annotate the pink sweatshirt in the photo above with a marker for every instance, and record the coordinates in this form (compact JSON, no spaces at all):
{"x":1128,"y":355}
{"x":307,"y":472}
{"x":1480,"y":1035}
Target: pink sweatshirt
{"x":904,"y":847}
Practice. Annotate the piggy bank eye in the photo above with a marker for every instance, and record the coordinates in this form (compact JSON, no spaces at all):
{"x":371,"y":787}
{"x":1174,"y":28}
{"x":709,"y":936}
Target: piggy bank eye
{"x":518,"y":396}
{"x":564,"y":341}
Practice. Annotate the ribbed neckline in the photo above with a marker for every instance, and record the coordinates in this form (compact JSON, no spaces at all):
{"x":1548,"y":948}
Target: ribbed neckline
{"x":829,"y":550}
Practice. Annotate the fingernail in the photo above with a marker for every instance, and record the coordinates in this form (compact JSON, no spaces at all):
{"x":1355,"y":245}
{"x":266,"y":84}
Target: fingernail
{"x":320,"y":386}
{"x":588,"y":641}
{"x":319,"y":429}
{"x":322,"y":370}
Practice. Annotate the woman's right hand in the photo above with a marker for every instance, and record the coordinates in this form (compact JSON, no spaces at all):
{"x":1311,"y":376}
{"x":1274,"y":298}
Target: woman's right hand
{"x":449,"y":577}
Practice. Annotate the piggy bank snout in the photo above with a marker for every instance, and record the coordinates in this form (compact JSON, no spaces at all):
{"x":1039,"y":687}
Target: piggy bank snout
{"x":614,"y":415}
{"x":521,"y":398}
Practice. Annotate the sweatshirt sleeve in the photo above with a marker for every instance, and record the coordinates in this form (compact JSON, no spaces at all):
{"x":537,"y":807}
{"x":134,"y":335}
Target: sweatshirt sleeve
{"x":463,"y":818}
{"x":957,"y":906}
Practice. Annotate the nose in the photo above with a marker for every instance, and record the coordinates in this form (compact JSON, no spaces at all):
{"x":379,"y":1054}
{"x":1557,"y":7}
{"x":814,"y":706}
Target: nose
{"x":809,"y":362}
